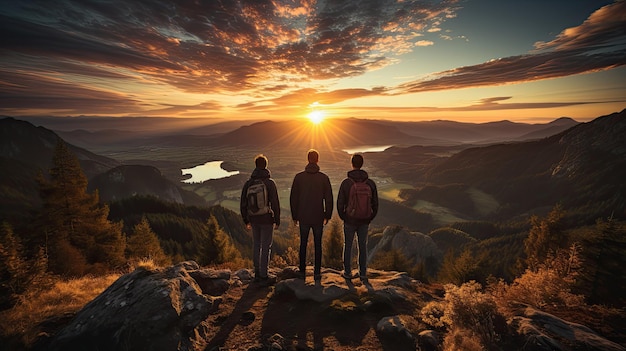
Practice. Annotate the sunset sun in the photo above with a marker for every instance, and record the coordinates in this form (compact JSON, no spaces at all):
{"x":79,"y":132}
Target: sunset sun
{"x":316,"y":117}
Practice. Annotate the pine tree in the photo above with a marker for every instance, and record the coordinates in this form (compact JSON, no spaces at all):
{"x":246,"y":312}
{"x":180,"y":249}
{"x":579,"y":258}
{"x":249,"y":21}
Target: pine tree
{"x":604,"y":255}
{"x":17,"y":272}
{"x":333,"y":246}
{"x":545,"y":237}
{"x":215,"y":246}
{"x":75,"y":228}
{"x":144,"y":243}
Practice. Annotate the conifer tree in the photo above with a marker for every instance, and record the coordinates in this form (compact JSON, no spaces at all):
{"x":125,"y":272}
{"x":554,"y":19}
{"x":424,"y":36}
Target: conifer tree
{"x":75,"y":229}
{"x":545,"y":237}
{"x":17,"y":272}
{"x":604,"y":255}
{"x":215,"y":246}
{"x":333,"y":246}
{"x":144,"y":243}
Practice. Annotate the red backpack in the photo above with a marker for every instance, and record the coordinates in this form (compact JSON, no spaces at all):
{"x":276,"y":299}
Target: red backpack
{"x":359,"y":201}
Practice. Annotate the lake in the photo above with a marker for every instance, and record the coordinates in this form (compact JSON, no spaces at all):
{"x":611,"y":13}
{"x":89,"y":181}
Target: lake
{"x":367,"y":148}
{"x":207,"y":171}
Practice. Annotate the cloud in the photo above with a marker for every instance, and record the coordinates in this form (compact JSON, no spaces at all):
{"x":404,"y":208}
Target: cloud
{"x":597,"y":44}
{"x":216,"y":46}
{"x":16,"y":93}
{"x":486,"y":104}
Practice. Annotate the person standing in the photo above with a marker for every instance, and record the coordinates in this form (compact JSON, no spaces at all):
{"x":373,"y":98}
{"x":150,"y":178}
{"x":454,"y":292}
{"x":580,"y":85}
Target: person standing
{"x":311,"y":202}
{"x":357,"y":205}
{"x":260,"y":210}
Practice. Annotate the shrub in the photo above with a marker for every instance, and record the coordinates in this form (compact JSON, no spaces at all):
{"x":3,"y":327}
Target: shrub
{"x":547,"y":286}
{"x":465,"y":310}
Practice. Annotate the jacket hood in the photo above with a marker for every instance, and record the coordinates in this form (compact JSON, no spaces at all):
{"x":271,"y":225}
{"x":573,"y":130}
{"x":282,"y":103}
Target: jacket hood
{"x":260,"y":173}
{"x":358,"y":175}
{"x":312,"y":168}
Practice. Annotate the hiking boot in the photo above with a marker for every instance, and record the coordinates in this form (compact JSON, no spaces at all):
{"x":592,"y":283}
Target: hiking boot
{"x":349,"y":276}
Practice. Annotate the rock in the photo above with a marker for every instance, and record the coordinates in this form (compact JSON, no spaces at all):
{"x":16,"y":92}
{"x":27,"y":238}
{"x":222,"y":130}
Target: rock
{"x":544,"y":331}
{"x":143,"y":310}
{"x":393,"y":329}
{"x":415,"y":246}
{"x":428,"y":340}
{"x":212,"y":282}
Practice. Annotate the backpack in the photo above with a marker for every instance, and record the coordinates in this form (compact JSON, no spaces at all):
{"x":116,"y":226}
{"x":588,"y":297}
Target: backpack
{"x":257,"y":199}
{"x":359,"y":201}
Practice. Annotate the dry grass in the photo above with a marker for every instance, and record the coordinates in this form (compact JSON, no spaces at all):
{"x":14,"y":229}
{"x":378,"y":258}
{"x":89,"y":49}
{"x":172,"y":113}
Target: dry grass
{"x":62,"y":298}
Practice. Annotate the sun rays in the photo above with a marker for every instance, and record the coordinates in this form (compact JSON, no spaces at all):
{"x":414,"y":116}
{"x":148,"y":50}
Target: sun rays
{"x":316,"y":117}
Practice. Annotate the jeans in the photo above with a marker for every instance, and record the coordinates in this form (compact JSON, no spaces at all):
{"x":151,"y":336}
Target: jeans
{"x":348,"y":233}
{"x":317,"y":241}
{"x":262,"y":245}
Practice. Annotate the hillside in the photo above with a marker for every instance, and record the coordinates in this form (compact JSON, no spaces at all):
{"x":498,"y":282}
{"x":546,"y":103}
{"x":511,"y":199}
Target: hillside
{"x":583,"y":168}
{"x":25,"y":151}
{"x":481,"y":133}
{"x":139,"y":180}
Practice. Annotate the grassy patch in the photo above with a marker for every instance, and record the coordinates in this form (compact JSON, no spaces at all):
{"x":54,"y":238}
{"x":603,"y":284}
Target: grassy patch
{"x":442,"y":215}
{"x":485,"y":203}
{"x":62,"y":298}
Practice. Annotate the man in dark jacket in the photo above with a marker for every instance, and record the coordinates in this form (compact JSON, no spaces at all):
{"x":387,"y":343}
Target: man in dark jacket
{"x":262,"y":224}
{"x":352,"y":225}
{"x":311,"y":203}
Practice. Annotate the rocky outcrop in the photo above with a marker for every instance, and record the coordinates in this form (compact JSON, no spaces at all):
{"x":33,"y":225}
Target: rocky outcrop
{"x":414,"y":246}
{"x":186,"y":307}
{"x":146,"y":310}
{"x":543,"y":331}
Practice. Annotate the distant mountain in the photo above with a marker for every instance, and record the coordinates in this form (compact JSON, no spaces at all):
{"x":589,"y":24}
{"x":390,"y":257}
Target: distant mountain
{"x":131,"y":180}
{"x":583,"y":168}
{"x":334,"y":133}
{"x":25,"y":151}
{"x":111,"y":132}
{"x":481,"y":133}
{"x":20,"y":140}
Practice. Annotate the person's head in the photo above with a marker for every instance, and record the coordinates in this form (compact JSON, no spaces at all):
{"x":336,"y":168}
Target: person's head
{"x":313,"y":156}
{"x":260,"y":161}
{"x":357,"y":161}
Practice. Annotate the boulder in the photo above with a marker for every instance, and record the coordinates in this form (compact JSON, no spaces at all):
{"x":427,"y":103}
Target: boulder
{"x":415,"y":246}
{"x":544,"y":331}
{"x":145,"y":310}
{"x":392,"y":329}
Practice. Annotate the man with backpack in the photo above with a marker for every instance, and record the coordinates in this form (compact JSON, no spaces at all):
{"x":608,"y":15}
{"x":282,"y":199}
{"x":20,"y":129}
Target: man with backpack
{"x":311,"y":202}
{"x":357,"y":204}
{"x":260,"y":210}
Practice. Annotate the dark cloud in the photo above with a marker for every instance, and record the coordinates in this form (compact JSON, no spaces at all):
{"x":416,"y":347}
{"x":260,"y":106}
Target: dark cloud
{"x":213,"y":46}
{"x":30,"y":91}
{"x":597,"y":44}
{"x":256,"y":48}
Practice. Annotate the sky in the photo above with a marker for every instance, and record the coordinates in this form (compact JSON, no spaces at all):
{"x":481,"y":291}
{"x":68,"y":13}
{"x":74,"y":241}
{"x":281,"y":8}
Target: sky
{"x":470,"y":61}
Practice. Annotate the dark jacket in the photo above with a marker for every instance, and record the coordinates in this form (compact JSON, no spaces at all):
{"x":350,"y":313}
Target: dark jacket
{"x":357,"y":175}
{"x":272,"y":194}
{"x":311,"y":198}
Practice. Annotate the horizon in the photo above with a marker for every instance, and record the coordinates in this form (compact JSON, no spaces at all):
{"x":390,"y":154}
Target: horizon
{"x":463,"y":61}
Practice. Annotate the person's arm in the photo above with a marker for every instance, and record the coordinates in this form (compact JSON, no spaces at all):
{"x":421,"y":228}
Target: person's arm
{"x":328,"y":199}
{"x":243,"y":204}
{"x":275,"y":202}
{"x":341,"y":200}
{"x":293,"y":199}
{"x":374,"y":198}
